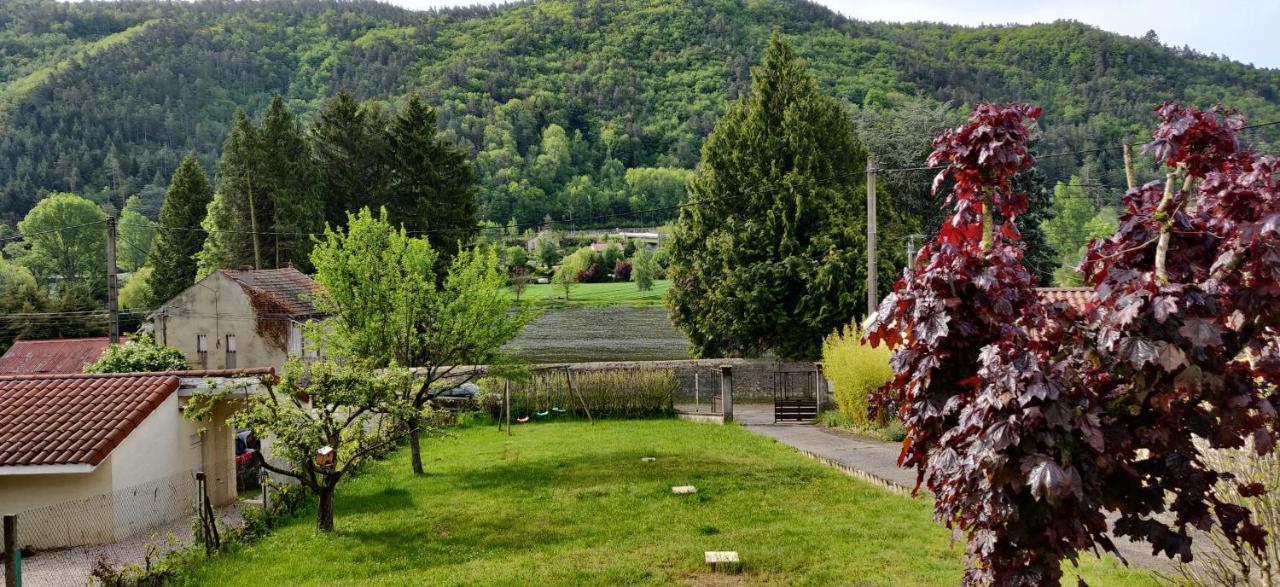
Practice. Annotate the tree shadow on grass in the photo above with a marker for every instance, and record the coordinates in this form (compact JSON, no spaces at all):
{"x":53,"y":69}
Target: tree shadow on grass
{"x":388,"y":499}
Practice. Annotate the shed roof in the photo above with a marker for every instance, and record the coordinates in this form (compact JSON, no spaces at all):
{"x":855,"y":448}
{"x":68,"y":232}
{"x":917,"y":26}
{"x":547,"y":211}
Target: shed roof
{"x":74,"y":418}
{"x":59,"y":355}
{"x":79,"y":418}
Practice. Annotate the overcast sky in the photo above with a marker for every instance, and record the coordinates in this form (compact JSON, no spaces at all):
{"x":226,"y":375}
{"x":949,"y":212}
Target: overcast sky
{"x":1243,"y":30}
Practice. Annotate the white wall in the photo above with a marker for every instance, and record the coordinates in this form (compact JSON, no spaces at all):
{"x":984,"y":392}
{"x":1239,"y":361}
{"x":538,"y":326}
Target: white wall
{"x":215,"y":307}
{"x":145,"y":482}
{"x":60,"y":510}
{"x":151,"y":475}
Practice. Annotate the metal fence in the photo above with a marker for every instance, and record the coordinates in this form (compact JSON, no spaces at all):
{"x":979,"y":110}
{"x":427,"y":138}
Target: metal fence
{"x":69,"y":542}
{"x":700,"y":389}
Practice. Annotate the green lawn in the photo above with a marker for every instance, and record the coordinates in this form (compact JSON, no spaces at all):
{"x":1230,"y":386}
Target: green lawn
{"x":597,"y":295}
{"x":572,"y":504}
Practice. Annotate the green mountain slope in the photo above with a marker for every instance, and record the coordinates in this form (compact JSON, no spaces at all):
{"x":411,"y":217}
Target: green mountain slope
{"x":557,"y":99}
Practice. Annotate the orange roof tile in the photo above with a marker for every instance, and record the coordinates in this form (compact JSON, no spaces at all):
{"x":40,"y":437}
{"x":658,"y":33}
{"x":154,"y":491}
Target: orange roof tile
{"x":1077,"y":297}
{"x":74,"y":418}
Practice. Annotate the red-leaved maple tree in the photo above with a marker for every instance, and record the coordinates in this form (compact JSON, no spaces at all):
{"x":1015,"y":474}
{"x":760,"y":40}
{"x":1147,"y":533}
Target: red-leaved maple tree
{"x":1029,"y":422}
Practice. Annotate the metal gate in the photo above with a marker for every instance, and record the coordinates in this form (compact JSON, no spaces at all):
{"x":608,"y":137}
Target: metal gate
{"x":795,"y":396}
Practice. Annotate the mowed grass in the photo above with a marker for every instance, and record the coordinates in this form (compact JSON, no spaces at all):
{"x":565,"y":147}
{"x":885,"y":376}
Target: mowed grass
{"x":597,"y":295}
{"x":572,"y":504}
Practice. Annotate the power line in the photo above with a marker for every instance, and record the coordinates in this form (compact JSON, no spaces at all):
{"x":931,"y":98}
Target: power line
{"x":50,"y":231}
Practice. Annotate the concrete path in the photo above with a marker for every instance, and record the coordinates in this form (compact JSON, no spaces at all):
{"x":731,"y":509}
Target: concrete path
{"x":876,"y":461}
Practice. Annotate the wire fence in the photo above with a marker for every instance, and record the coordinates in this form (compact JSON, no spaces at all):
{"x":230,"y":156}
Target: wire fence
{"x":629,"y":389}
{"x":90,"y":538}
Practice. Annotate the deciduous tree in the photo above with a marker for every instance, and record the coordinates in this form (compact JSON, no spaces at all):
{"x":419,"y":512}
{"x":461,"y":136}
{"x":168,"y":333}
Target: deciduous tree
{"x":389,"y":308}
{"x":66,"y":235}
{"x":139,"y":354}
{"x":322,"y":420}
{"x":1030,"y":422}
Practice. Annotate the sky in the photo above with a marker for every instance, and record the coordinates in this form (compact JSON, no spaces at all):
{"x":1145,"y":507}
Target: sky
{"x":1243,"y":30}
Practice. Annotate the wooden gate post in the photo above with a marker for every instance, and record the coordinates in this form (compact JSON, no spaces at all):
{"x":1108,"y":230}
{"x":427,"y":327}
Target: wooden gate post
{"x":12,"y":558}
{"x":726,"y":391}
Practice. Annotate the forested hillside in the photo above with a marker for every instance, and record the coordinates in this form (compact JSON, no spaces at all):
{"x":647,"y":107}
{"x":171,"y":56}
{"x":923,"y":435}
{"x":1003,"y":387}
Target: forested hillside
{"x":570,"y":108}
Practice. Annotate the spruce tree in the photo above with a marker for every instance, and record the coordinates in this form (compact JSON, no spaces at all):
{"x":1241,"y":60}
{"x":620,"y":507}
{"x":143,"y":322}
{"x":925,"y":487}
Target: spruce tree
{"x":771,"y":255}
{"x":238,"y":231}
{"x":349,"y":146}
{"x":292,"y":192}
{"x":432,"y":185}
{"x":269,"y":202}
{"x":172,"y":256}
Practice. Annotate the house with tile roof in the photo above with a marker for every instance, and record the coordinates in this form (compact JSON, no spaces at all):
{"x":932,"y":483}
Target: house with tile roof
{"x":57,"y":355}
{"x":1076,"y":297}
{"x":237,"y":318}
{"x":95,"y":458}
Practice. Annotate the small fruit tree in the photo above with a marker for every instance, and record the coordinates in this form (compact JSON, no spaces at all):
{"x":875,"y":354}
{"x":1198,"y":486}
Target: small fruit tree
{"x":1030,"y":422}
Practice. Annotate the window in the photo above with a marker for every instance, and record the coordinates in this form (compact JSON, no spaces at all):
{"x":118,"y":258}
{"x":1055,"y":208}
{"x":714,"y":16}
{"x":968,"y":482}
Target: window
{"x":231,"y":351}
{"x":202,"y":350}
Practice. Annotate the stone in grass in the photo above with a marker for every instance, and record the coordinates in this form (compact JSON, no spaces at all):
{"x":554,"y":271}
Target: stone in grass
{"x":723,"y":560}
{"x":647,"y":459}
{"x":684,"y":489}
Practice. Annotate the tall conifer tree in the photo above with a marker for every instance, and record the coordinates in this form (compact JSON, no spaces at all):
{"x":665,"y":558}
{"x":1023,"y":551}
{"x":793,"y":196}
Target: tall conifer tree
{"x":349,"y":146}
{"x":269,"y":202}
{"x":771,"y":256}
{"x":432,"y":184}
{"x":292,"y":190}
{"x":237,"y":232}
{"x":172,"y":256}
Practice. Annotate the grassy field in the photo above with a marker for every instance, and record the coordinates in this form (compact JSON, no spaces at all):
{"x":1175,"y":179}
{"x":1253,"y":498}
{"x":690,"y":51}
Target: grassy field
{"x":572,"y":504}
{"x":597,"y":295}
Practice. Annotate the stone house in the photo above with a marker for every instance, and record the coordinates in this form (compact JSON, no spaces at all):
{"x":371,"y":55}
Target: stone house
{"x":95,"y":458}
{"x":239,"y":318}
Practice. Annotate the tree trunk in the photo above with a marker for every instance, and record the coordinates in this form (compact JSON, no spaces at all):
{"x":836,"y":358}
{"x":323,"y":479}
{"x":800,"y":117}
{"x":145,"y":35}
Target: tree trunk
{"x":415,"y":446}
{"x":324,"y":512}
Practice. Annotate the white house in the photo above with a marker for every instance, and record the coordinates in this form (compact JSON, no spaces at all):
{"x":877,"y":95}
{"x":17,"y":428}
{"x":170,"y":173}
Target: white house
{"x":94,"y":458}
{"x":239,"y":318}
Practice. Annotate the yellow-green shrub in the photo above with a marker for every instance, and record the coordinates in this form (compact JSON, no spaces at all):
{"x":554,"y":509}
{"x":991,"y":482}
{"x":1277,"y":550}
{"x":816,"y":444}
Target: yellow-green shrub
{"x":855,"y":370}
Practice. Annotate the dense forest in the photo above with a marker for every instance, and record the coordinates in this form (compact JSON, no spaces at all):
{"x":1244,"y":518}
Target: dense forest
{"x":588,"y":109}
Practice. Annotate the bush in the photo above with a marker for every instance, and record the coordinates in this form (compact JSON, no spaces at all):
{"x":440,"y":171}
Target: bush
{"x":1220,"y":562}
{"x":620,"y":393}
{"x":140,"y":353}
{"x":591,"y":274}
{"x":855,"y":370}
{"x":622,"y":271}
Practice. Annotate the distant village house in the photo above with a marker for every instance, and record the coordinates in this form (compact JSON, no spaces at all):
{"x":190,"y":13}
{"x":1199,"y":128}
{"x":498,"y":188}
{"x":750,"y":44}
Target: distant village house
{"x":239,"y":318}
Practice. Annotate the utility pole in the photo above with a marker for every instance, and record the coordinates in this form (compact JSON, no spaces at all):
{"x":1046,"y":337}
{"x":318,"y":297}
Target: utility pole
{"x":872,"y":301}
{"x":113,"y":310}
